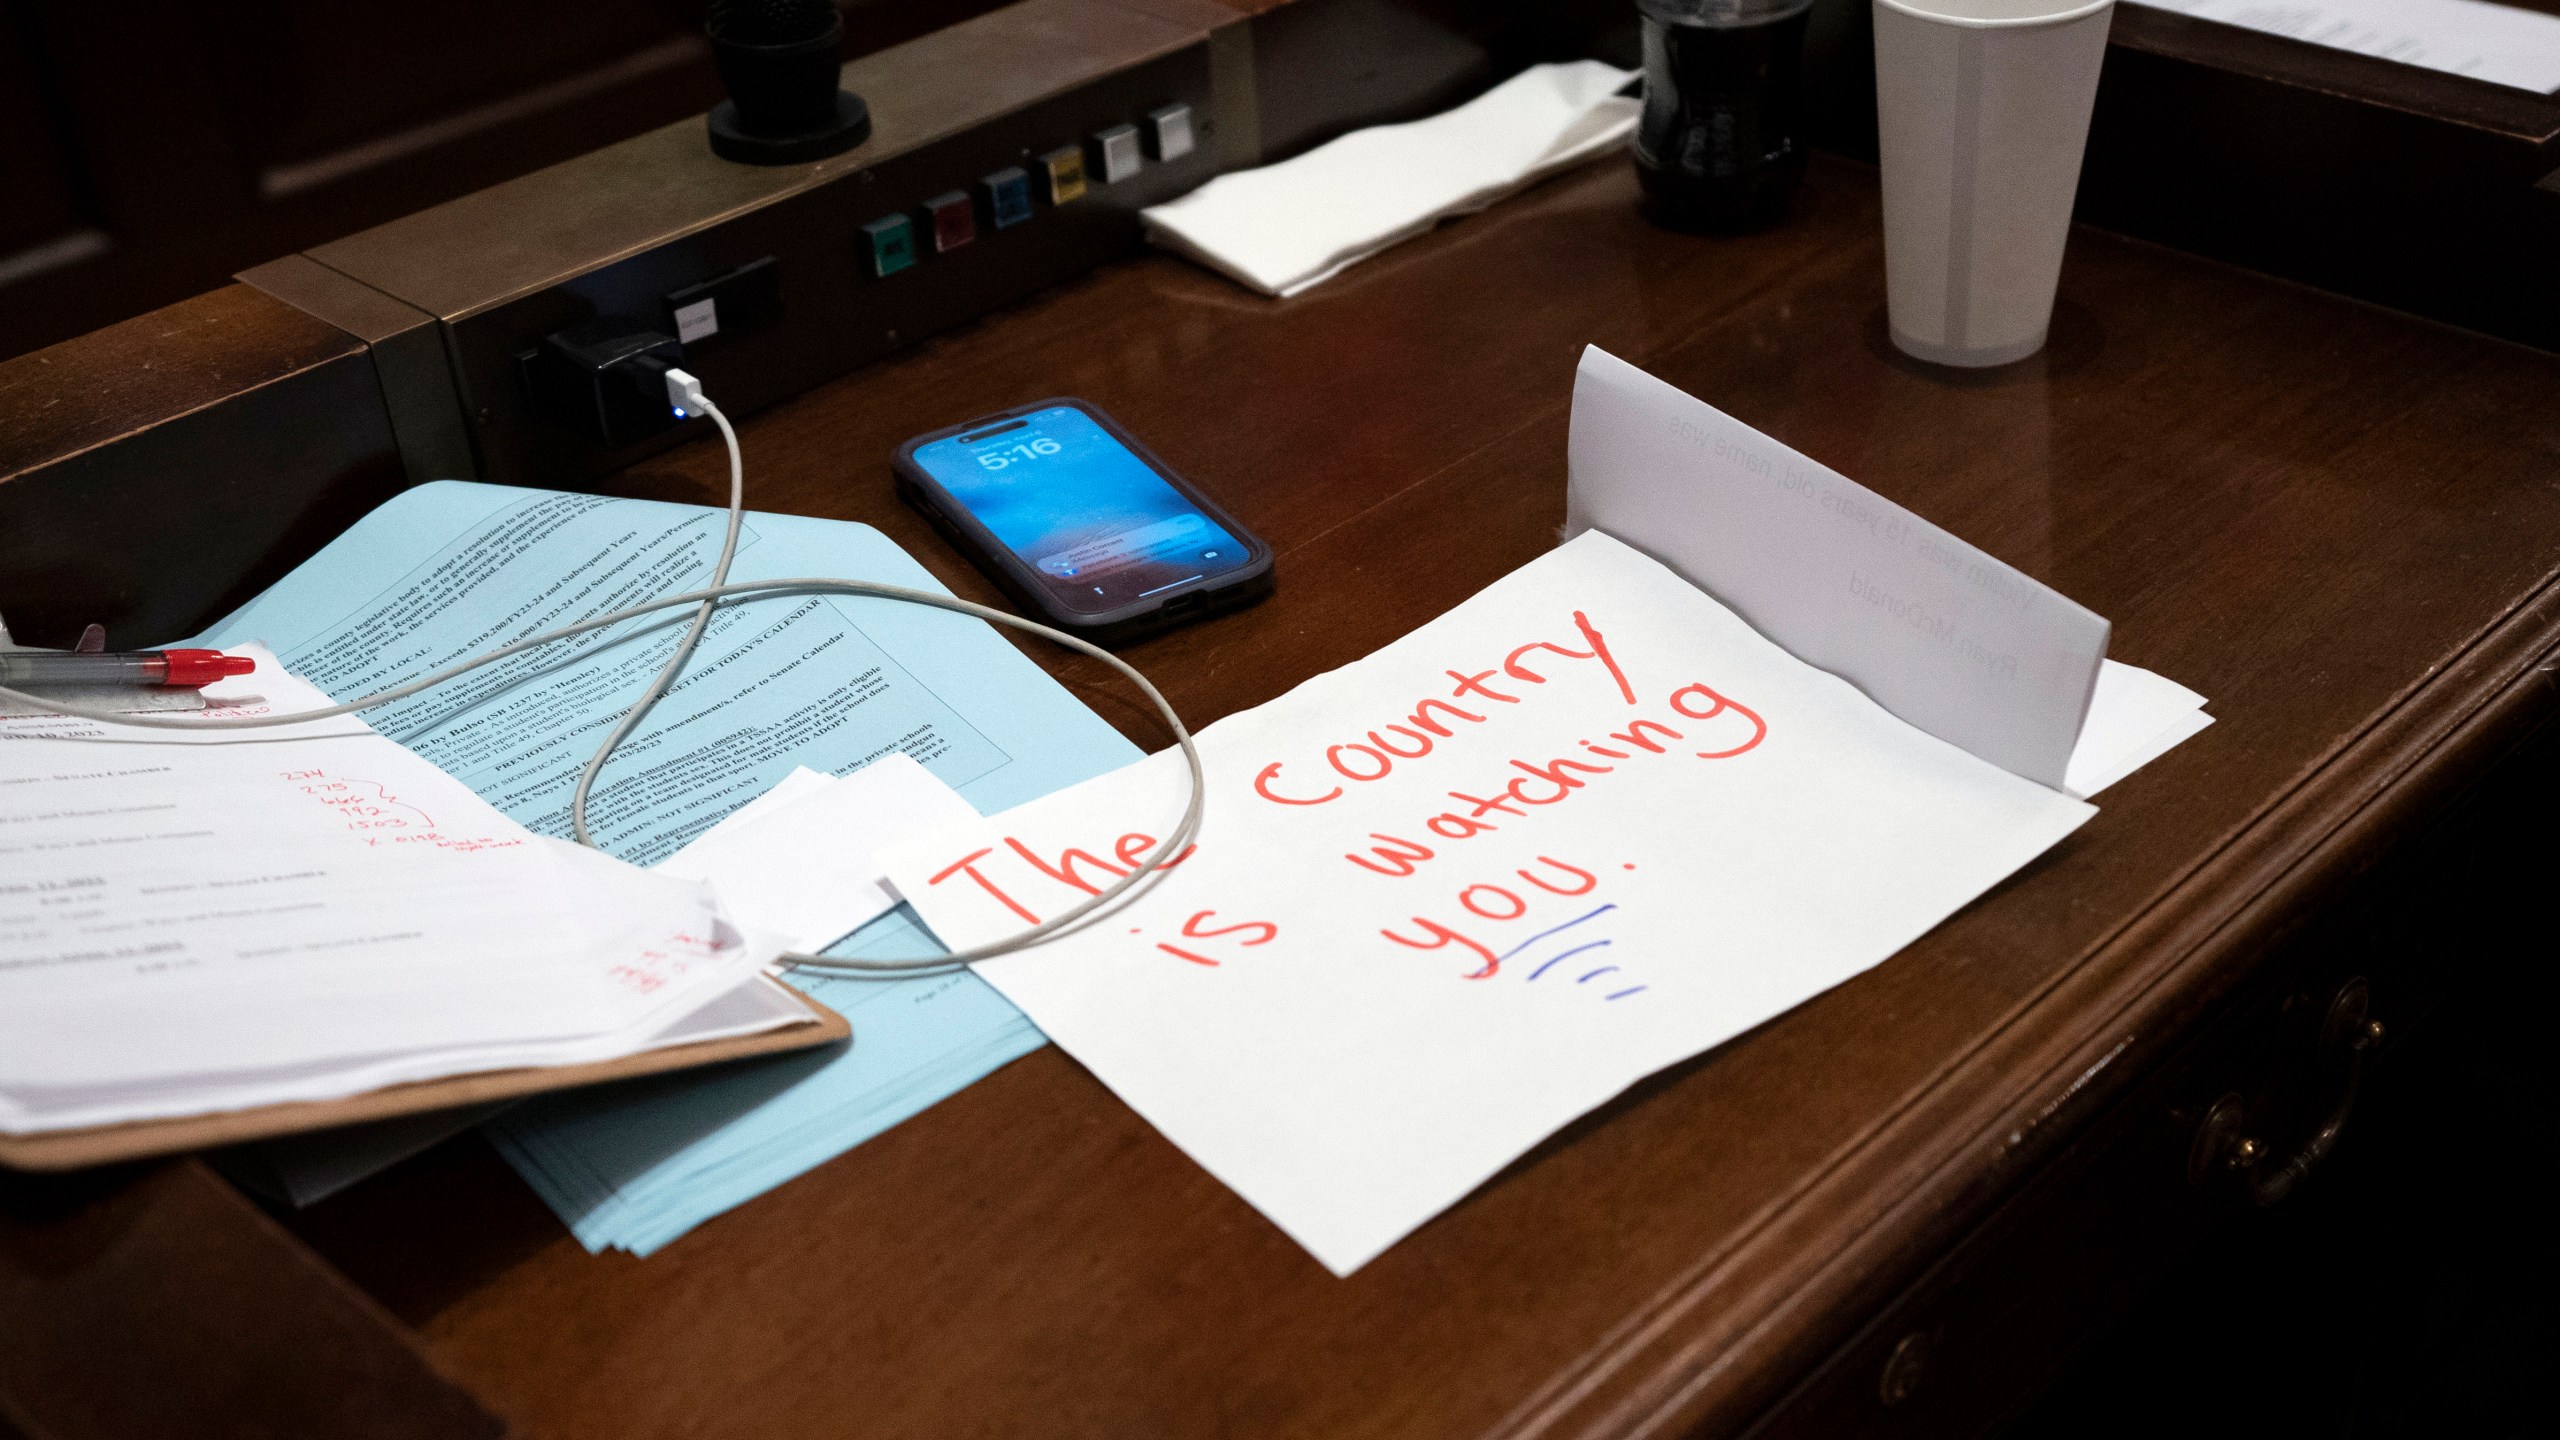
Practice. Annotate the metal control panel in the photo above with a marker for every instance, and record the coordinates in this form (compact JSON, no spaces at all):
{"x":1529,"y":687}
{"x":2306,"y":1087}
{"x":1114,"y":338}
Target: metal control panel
{"x":1008,"y":153}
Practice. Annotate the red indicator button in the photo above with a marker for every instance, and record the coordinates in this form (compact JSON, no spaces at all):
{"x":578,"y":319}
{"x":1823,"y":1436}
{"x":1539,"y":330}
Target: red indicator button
{"x":955,"y":222}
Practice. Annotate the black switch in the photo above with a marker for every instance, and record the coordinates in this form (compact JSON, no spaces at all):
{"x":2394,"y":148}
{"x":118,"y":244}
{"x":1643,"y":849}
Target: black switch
{"x":606,"y":379}
{"x":745,"y":300}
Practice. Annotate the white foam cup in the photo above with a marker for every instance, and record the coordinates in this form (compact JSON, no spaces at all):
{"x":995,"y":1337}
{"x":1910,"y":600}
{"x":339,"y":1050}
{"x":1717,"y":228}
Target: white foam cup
{"x":1982,"y":110}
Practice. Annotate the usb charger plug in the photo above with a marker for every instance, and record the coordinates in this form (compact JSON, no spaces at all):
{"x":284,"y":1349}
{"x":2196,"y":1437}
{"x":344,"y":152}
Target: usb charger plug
{"x":684,"y":393}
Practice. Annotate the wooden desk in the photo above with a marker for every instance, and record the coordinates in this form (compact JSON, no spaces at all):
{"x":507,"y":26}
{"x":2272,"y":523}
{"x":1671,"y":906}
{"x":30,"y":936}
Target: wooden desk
{"x":2339,"y":523}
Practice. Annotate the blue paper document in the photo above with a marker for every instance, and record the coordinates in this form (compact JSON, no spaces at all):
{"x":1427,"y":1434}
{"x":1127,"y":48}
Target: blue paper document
{"x":451,"y":569}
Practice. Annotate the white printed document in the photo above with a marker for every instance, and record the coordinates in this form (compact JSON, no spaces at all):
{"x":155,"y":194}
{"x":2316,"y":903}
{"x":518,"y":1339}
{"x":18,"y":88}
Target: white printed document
{"x":208,"y":921}
{"x":2502,"y":44}
{"x":1452,"y":896}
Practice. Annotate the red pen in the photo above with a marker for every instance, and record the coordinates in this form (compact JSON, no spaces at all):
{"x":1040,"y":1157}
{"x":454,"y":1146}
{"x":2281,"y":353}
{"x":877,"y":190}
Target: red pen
{"x":180,"y":669}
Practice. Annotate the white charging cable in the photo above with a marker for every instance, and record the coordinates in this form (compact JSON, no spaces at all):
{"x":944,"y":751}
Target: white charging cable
{"x":684,"y":395}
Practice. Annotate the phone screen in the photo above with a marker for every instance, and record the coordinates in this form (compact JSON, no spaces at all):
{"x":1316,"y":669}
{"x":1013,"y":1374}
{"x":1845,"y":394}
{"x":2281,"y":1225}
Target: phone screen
{"x":1097,"y":523}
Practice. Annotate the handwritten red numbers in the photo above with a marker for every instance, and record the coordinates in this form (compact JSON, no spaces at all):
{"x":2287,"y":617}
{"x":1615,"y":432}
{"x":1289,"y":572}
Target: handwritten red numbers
{"x":362,"y":805}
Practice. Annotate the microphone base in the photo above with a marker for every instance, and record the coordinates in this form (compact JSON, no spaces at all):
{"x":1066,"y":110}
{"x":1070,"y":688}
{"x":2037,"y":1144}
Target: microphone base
{"x":851,"y":126}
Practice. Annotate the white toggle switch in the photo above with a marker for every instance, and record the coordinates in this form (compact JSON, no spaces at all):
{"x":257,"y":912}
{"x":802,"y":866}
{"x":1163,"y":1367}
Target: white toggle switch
{"x":1168,"y":133}
{"x":1115,"y":154}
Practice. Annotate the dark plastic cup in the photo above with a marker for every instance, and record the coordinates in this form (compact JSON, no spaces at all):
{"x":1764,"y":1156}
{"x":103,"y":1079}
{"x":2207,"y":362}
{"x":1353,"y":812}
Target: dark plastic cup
{"x":1721,"y":145}
{"x":785,"y":89}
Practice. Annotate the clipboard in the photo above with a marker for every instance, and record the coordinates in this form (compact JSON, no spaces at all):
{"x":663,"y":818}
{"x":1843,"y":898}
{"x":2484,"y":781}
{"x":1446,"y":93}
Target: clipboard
{"x":143,"y":1139}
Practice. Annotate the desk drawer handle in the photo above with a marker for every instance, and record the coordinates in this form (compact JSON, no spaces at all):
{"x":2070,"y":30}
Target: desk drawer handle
{"x":1903,"y":1369}
{"x":2223,"y":1145}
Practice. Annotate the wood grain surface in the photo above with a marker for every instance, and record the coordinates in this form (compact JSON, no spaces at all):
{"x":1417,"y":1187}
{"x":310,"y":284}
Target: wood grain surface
{"x":2340,"y":524}
{"x":244,"y":1334}
{"x":157,"y":472}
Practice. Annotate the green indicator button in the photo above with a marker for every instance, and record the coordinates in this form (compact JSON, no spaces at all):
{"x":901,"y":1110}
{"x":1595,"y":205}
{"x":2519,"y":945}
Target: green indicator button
{"x":891,"y":244}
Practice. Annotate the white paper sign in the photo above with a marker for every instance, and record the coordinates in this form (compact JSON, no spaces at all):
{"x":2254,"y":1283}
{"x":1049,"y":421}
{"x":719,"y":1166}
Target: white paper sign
{"x":1941,"y":633}
{"x":1454,"y":895}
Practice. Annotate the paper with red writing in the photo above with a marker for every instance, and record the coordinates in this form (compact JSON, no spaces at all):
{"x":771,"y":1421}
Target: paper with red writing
{"x":1452,"y":896}
{"x":196,"y":921}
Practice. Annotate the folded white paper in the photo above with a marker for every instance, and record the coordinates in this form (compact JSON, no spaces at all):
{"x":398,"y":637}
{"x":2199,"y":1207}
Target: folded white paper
{"x":801,"y":861}
{"x":1283,"y":228}
{"x":2134,"y":718}
{"x":1453,"y":895}
{"x":1938,"y":631}
{"x":800,"y":784}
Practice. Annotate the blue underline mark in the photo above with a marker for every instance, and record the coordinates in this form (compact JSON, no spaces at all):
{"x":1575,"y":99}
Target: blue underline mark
{"x":1596,"y":974}
{"x":1569,"y":954}
{"x":1632,"y":990}
{"x":1543,"y":934}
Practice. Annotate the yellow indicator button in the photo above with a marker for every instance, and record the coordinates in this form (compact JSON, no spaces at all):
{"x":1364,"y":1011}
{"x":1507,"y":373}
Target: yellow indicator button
{"x":1064,"y":174}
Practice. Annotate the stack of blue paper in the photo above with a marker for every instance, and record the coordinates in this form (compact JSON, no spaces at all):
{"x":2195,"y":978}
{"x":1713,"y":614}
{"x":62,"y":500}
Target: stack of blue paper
{"x":634,"y":1166}
{"x":450,"y":569}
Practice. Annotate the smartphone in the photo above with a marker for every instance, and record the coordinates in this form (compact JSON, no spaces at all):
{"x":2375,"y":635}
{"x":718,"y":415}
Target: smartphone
{"x":1080,"y":523}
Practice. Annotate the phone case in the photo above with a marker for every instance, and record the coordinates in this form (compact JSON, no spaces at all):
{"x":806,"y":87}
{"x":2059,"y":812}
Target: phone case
{"x":1109,"y":627}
